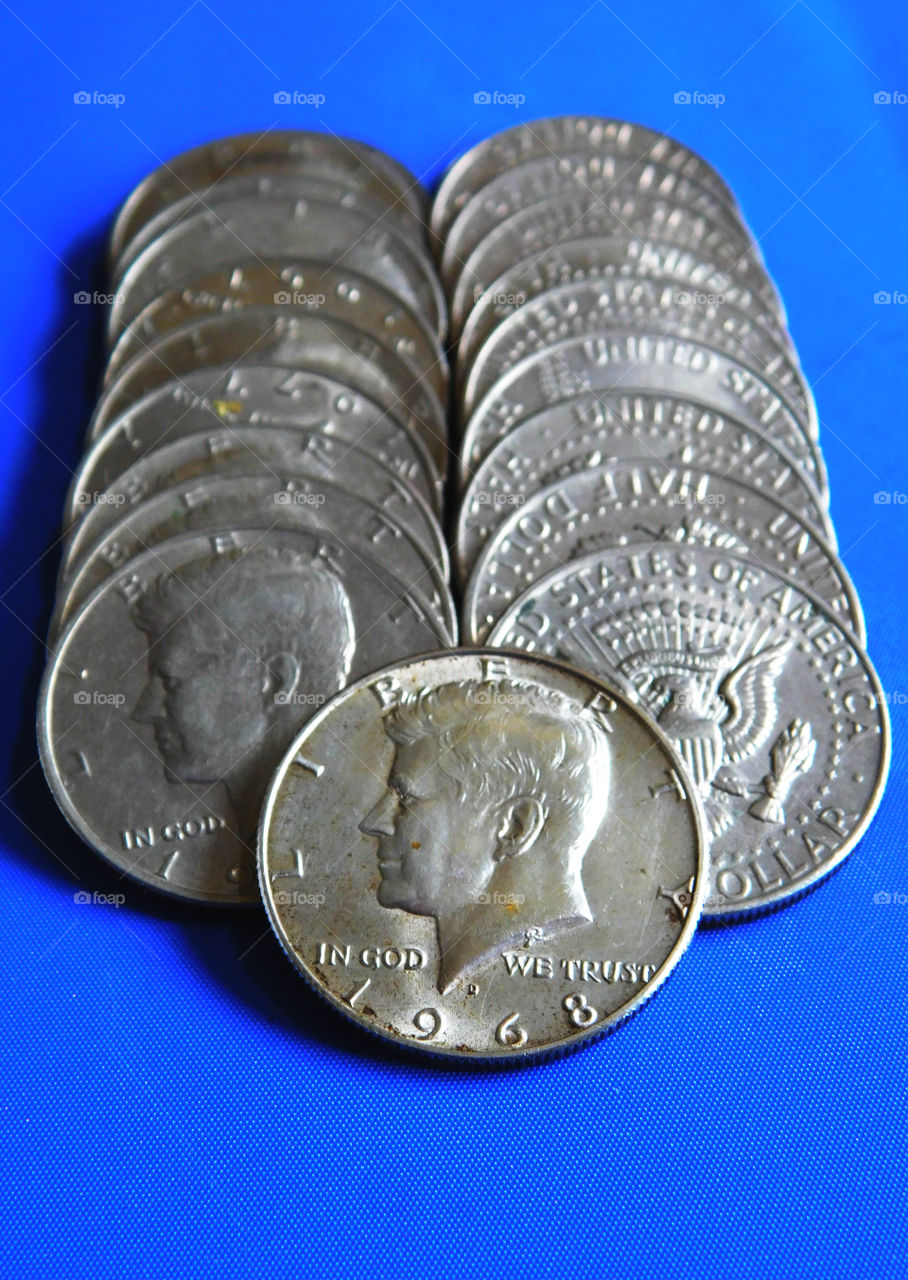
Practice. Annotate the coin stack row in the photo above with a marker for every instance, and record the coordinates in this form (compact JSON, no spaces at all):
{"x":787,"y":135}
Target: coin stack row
{"x":641,"y":487}
{"x":255,"y":521}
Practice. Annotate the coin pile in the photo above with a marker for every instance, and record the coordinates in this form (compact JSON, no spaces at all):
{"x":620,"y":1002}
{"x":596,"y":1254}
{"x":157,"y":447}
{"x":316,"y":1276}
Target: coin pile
{"x":255,"y":520}
{"x":642,"y":491}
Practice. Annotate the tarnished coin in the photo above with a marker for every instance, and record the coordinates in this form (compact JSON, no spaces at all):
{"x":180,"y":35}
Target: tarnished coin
{"x":700,"y":282}
{"x":208,"y":503}
{"x":573,"y":435}
{"x":248,"y":228}
{"x":776,"y":711}
{"x":176,"y":689}
{"x":203,"y":166}
{"x":274,"y":451}
{"x":226,"y":396}
{"x":632,"y":360}
{"x":281,"y":182}
{"x":535,"y":139}
{"x":482,"y":856}
{"x":651,"y":304}
{"x":585,"y":176}
{"x":641,"y":501}
{"x":297,"y":284}
{"x":268,"y":335}
{"x":537,"y":229}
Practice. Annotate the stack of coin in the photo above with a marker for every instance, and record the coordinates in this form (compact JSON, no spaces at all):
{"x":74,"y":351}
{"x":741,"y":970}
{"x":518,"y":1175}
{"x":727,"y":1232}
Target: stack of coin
{"x":255,"y":521}
{"x":642,"y":491}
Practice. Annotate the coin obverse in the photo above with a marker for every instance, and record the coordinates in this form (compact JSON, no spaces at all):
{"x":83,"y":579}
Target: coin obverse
{"x":774,"y":707}
{"x":482,"y":855}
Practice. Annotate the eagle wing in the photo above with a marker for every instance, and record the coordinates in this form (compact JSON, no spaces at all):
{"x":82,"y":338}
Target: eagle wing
{"x":750,"y":694}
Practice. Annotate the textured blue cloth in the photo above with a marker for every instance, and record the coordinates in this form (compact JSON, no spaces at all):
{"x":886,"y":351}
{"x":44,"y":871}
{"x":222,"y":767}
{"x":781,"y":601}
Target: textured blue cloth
{"x":174,"y":1102}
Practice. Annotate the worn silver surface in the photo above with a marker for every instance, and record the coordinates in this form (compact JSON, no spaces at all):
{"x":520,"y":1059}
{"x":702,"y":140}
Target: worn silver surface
{"x":608,"y":258}
{"x":199,"y":168}
{"x":643,"y":502}
{"x":299,"y":284}
{"x":209,"y":503}
{"x":650,"y":304}
{"x":222,"y":397}
{"x":175,"y":691}
{"x":458,"y":900}
{"x":585,"y":431}
{"x":244,"y":229}
{"x":269,"y":335}
{"x":585,"y":176}
{"x":776,"y":710}
{"x":535,"y":139}
{"x":634,"y":360}
{"x":274,"y":451}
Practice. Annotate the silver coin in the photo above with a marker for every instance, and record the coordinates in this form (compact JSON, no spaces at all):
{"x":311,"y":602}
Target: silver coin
{"x":175,"y":691}
{"x":573,"y":435}
{"x":276,"y":451}
{"x":773,"y":706}
{"x":227,"y":396}
{"x":298,"y":284}
{"x":281,"y":182}
{"x":203,"y":166}
{"x":644,"y":502}
{"x":247,"y":228}
{"x":539,"y":228}
{"x":538,"y":138}
{"x":208,"y":503}
{"x":268,"y":335}
{"x":651,"y":303}
{"x":601,"y":258}
{"x":633,"y":360}
{"x":482,"y":856}
{"x":587,"y":177}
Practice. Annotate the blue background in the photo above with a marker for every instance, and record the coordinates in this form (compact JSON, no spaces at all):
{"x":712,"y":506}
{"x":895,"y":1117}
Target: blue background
{"x":173,"y":1101}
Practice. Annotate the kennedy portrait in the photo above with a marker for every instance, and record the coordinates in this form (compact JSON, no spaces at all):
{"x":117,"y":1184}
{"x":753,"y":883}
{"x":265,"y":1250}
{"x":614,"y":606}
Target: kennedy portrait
{"x":495,"y":791}
{"x":242,"y":649}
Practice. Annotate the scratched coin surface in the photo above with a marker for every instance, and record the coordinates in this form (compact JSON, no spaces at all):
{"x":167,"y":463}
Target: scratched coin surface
{"x":482,"y":855}
{"x":299,"y":283}
{"x":206,"y":165}
{"x":642,"y":502}
{"x":174,"y":692}
{"x":219,"y":398}
{"x":629,"y":360}
{"x":774,"y":707}
{"x":536,"y":139}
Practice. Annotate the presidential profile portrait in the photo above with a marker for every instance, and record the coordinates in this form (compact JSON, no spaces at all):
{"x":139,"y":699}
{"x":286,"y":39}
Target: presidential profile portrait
{"x":241,"y":651}
{"x":495,"y":791}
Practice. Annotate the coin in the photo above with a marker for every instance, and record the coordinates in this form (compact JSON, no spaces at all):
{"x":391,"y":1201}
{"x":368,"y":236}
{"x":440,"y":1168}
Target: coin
{"x":482,"y":856}
{"x":209,"y":503}
{"x":249,"y":228}
{"x":635,"y":360}
{"x":774,"y":707}
{"x":281,"y":182}
{"x":640,"y":501}
{"x":585,"y":431}
{"x":275,"y":451}
{"x":175,"y":690}
{"x":653,"y":304}
{"x":203,"y":166}
{"x":221,"y":397}
{"x":602,"y":258}
{"x":538,"y":138}
{"x":537,"y":229}
{"x":268,"y":335}
{"x":586,"y":177}
{"x":304,"y":284}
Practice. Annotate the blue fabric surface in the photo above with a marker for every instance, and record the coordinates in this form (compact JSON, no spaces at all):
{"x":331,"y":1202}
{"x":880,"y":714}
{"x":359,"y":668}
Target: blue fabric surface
{"x":173,"y":1101}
